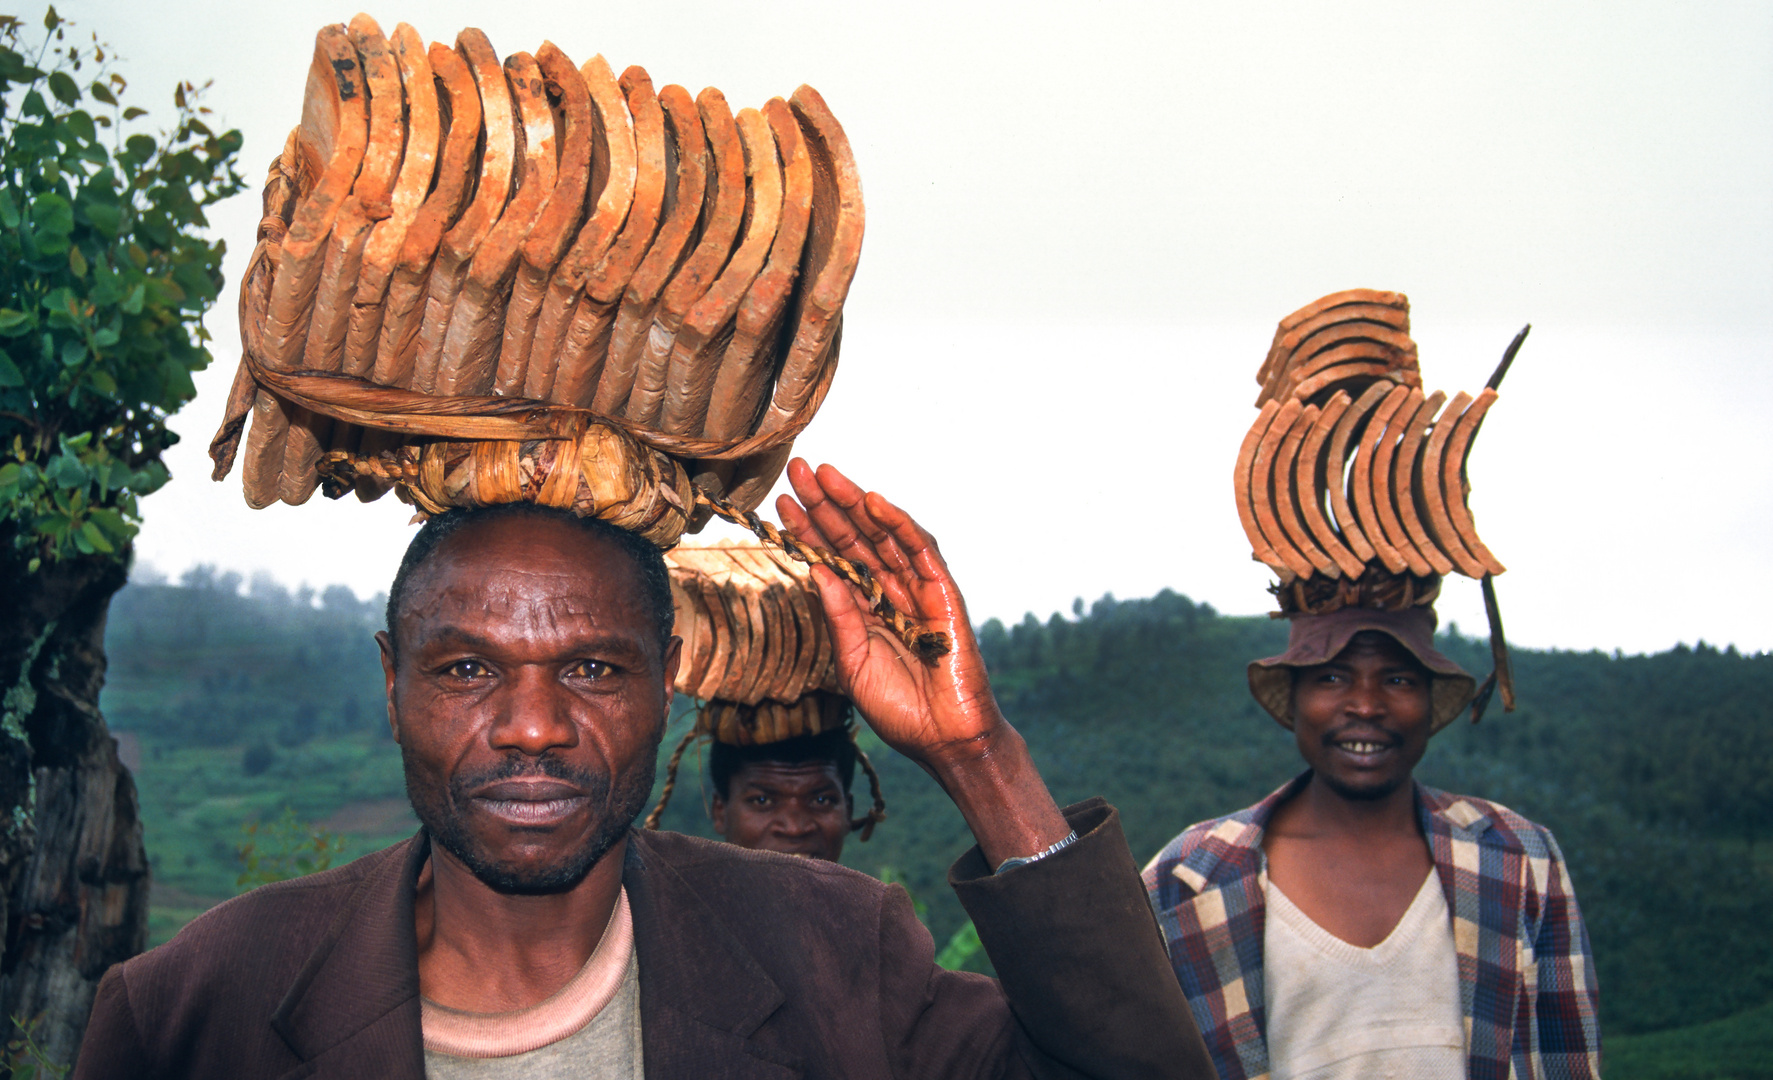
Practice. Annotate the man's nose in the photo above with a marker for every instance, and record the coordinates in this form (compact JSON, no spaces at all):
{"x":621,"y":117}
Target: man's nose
{"x":534,"y":716}
{"x":1365,"y":698}
{"x":795,"y":821}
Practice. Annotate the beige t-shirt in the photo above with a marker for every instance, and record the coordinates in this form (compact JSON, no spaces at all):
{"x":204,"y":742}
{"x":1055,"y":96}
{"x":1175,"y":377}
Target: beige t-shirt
{"x":589,"y":1028}
{"x":1340,"y":1012}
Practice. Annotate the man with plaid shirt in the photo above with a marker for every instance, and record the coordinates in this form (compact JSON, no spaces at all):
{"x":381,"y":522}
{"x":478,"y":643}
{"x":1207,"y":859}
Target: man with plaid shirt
{"x":1356,"y":923}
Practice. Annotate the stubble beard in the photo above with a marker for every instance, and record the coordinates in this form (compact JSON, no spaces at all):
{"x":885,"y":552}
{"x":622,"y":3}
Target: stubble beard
{"x":443,"y":814}
{"x":1368,"y":793}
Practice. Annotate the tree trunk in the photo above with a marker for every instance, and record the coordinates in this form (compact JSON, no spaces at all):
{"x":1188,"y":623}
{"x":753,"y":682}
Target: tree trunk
{"x":72,"y":866}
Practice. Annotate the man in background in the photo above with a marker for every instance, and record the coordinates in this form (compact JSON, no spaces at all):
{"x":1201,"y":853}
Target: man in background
{"x":791,"y":796}
{"x":1356,"y":923}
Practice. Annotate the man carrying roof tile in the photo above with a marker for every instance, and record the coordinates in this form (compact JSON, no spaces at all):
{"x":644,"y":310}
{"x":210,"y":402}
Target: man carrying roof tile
{"x":529,"y":931}
{"x":1356,"y":923}
{"x":791,"y":796}
{"x":759,"y":662}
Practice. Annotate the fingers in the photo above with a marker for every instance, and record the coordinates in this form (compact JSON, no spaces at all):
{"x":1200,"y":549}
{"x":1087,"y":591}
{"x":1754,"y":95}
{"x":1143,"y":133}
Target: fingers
{"x":855,"y":503}
{"x":837,"y":509}
{"x":843,"y":517}
{"x":796,"y":523}
{"x":864,"y":528}
{"x":907,"y":536}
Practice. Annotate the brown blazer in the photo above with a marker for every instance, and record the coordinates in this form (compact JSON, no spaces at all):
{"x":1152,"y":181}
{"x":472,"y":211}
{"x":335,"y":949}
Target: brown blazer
{"x":753,"y":966}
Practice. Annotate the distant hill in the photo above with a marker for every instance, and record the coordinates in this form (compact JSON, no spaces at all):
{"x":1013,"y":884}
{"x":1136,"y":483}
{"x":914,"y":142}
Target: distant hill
{"x":1655,"y":772}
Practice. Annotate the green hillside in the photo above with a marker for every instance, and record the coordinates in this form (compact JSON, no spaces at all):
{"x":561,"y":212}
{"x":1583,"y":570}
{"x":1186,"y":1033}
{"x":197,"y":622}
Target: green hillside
{"x":1654,"y":771}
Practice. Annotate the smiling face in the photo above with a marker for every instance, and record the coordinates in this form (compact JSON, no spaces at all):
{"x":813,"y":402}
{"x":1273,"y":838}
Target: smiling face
{"x":796,"y":808}
{"x":528,"y":696}
{"x":1362,"y":720}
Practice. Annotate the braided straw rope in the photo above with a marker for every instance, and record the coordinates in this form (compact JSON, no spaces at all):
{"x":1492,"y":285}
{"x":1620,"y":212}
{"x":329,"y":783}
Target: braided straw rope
{"x":876,"y":813}
{"x":652,"y":819}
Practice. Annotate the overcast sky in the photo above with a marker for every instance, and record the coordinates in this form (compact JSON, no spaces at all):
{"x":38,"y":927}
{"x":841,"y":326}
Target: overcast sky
{"x":1084,"y":222}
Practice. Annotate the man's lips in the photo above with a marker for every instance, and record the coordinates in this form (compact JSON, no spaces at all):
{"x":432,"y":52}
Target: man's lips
{"x":1363,"y":747}
{"x":530,"y":802}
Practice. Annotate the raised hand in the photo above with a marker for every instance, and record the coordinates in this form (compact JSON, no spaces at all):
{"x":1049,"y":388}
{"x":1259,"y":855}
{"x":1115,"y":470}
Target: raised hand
{"x":920,"y":709}
{"x":940,"y":714}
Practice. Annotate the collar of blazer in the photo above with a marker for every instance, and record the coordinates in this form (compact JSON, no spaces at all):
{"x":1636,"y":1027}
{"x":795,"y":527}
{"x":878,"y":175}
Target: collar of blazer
{"x":703,"y":996}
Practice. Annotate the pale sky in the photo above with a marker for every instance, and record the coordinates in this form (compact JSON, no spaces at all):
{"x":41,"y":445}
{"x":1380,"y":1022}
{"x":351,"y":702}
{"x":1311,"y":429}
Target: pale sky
{"x":1085,"y":220}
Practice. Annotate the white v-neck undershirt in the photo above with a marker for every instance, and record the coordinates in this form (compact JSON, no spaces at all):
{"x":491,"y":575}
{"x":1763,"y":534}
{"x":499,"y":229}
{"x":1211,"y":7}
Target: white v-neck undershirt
{"x":1340,"y":1012}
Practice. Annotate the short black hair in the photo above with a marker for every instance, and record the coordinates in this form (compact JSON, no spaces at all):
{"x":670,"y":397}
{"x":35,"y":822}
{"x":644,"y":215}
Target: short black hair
{"x":834,"y":746}
{"x":649,"y":561}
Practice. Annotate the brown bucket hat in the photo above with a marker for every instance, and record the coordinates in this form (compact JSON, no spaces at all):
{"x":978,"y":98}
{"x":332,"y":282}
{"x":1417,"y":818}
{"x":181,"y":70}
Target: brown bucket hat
{"x":1317,"y":639}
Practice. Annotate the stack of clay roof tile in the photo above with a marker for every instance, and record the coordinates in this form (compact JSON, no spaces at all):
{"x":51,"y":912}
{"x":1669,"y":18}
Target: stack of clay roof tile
{"x":449,"y":223}
{"x":755,"y":643}
{"x":1352,"y":483}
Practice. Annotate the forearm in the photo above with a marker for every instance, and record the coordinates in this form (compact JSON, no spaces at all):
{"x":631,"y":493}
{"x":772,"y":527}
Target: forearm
{"x":994,"y":784}
{"x":1081,"y":958}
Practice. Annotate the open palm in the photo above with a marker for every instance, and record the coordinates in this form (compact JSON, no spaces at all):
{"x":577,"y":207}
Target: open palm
{"x":923,"y":710}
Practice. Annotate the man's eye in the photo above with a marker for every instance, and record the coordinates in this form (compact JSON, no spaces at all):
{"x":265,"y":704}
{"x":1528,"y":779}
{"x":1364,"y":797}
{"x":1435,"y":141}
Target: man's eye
{"x":590,"y":669}
{"x":466,"y":669}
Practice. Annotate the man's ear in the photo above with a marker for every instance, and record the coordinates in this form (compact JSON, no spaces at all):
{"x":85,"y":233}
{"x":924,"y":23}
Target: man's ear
{"x":717,"y":814}
{"x":386,"y":644}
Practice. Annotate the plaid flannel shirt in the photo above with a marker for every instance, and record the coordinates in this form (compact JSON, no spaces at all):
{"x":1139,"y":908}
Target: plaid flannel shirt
{"x":1526,"y":975}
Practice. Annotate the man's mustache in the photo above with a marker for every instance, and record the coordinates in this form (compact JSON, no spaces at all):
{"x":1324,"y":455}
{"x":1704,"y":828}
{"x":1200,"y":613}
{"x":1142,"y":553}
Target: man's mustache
{"x":518,"y":766}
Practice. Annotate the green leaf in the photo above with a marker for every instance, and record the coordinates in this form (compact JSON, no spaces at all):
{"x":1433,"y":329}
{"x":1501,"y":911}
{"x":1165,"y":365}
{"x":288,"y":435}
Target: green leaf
{"x":76,"y":262}
{"x":112,"y":522}
{"x":102,"y":382}
{"x":9,"y":474}
{"x":50,"y":213}
{"x":103,"y":93}
{"x":79,"y":122}
{"x":9,"y":373}
{"x":165,"y":292}
{"x":96,"y":538}
{"x":132,"y":304}
{"x":178,"y":382}
{"x":134,"y":111}
{"x":73,"y":351}
{"x":61,"y":84}
{"x":13,"y":322}
{"x":65,"y":470}
{"x":47,"y":244}
{"x":141,"y":147}
{"x":8,"y":209}
{"x":106,"y":218}
{"x":51,"y":20}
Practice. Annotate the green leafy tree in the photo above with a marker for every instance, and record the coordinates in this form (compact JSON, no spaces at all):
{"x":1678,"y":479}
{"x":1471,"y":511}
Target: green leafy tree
{"x":105,"y":275}
{"x":283,"y":848}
